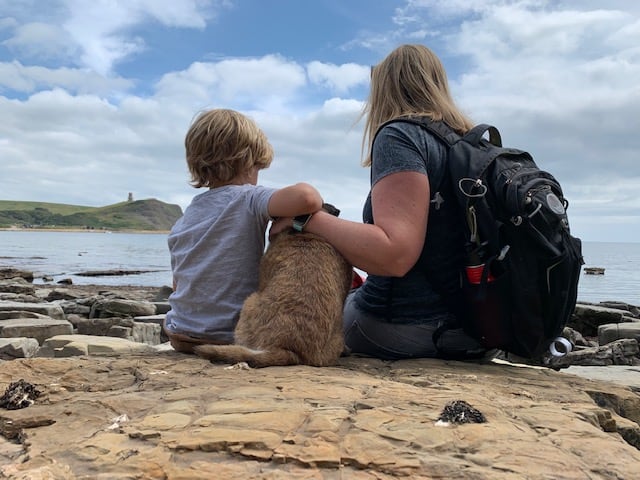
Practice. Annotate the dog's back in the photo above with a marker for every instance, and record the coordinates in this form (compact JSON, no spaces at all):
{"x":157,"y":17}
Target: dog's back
{"x":295,"y":317}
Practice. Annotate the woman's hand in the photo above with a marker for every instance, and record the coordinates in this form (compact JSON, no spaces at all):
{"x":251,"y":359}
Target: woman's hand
{"x":280,"y":224}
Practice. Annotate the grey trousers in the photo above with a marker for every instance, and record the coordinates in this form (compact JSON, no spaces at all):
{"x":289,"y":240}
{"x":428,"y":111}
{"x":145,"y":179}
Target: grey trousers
{"x":368,"y":335}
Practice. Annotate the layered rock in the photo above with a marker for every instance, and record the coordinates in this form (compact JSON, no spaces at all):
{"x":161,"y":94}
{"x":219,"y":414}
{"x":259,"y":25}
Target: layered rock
{"x":128,"y":316}
{"x":602,"y":334}
{"x":111,"y":403}
{"x":173,"y":416}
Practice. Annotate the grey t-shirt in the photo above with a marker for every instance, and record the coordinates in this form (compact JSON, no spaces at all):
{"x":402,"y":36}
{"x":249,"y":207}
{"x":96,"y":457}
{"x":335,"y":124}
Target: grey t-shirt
{"x":418,"y":296}
{"x":215,"y":249}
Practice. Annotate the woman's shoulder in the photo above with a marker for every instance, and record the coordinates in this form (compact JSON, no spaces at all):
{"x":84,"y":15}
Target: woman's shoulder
{"x":409,"y":133}
{"x":404,"y":128}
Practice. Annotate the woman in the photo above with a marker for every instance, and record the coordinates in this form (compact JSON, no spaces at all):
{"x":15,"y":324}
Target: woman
{"x":410,"y":243}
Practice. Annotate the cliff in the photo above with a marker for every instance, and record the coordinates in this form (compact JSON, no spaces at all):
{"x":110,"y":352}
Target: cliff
{"x":149,"y":214}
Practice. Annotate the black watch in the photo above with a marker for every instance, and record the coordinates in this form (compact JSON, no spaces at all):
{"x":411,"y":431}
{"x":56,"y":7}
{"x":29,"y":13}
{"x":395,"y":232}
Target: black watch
{"x":301,"y":221}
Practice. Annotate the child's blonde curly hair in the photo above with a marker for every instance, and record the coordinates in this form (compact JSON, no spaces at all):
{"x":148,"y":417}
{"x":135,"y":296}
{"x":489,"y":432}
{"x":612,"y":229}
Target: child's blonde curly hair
{"x":222,"y":144}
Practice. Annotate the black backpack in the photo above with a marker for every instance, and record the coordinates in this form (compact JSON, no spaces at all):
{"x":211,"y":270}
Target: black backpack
{"x":520,"y":282}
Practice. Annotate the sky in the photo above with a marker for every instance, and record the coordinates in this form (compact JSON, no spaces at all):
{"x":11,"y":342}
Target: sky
{"x":96,"y":95}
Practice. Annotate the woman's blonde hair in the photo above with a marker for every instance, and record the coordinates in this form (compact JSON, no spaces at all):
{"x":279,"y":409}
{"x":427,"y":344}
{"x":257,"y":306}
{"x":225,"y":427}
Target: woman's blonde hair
{"x":409,"y":81}
{"x":223,"y":144}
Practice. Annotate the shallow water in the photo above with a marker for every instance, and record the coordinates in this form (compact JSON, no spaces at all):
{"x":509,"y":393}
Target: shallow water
{"x":64,"y":254}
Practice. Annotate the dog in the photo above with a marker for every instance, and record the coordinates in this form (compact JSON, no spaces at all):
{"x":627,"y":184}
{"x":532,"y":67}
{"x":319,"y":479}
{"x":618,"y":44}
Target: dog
{"x":295,"y":316}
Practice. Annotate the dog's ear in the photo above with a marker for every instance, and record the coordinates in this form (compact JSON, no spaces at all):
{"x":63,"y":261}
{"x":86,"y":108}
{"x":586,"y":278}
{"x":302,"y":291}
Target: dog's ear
{"x":327,"y":207}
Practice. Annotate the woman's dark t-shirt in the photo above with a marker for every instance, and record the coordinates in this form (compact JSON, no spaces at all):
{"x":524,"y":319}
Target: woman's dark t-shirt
{"x":418,"y":297}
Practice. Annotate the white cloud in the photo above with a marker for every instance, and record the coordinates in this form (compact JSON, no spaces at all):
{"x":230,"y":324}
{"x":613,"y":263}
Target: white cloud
{"x":558,"y":78}
{"x":99,"y":34}
{"x":7,"y":23}
{"x":563,"y":85}
{"x":88,"y":149}
{"x":25,"y":79}
{"x":339,"y":78}
{"x":42,"y":41}
{"x":577,"y":95}
{"x":266,"y":83}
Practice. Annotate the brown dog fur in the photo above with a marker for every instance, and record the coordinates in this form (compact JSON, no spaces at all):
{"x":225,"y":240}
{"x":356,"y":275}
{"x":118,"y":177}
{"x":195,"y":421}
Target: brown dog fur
{"x":295,"y":317}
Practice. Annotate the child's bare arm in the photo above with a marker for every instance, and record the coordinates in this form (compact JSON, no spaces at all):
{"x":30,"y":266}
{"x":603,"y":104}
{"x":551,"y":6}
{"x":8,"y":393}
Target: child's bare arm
{"x":295,"y":200}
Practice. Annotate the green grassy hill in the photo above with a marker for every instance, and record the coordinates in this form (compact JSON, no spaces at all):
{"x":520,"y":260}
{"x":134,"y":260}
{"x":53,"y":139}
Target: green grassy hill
{"x":150,"y":214}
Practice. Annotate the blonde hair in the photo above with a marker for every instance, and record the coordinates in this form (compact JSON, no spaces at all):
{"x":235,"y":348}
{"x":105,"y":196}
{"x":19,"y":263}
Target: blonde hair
{"x":222,"y":144}
{"x":409,"y":81}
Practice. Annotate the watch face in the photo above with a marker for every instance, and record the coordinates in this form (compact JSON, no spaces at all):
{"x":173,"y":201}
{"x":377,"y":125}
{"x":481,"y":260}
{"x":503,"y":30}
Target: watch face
{"x":300,"y":221}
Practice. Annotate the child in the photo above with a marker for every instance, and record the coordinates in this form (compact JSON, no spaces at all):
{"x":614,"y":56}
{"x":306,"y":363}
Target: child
{"x":217,"y":244}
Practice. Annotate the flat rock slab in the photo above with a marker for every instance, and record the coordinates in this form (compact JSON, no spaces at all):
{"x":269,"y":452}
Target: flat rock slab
{"x":38,"y":328}
{"x":122,"y":307}
{"x":176,"y":416}
{"x":157,"y":319}
{"x":620,"y":374}
{"x":49,"y":309}
{"x":613,"y":331}
{"x":73,"y":345}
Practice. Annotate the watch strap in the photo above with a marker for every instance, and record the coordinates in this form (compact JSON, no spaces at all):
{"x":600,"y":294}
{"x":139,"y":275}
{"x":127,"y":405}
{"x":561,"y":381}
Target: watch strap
{"x":301,"y":221}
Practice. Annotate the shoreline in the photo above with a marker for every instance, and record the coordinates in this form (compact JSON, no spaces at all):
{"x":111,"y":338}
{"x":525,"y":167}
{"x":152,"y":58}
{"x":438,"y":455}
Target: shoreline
{"x":80,"y":230}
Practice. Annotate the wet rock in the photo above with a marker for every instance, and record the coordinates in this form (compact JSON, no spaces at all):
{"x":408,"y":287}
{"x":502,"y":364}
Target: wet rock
{"x":99,"y":326}
{"x":163,"y":293}
{"x":18,"y":286}
{"x":8,"y":273}
{"x":162,"y":307}
{"x":62,"y":294}
{"x":619,"y":352}
{"x":121,"y":307}
{"x":74,"y":308}
{"x":631,"y":310}
{"x":587,"y":318}
{"x":113,"y":273}
{"x":577,"y":339}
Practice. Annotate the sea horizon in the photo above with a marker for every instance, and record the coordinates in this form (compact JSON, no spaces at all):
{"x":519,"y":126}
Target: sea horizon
{"x":63,"y":253}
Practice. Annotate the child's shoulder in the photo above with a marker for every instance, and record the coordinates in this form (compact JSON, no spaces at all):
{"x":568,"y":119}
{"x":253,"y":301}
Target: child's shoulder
{"x":234,"y":193}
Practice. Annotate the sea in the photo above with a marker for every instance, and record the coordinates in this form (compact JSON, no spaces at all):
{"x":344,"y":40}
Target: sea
{"x":53,"y":256}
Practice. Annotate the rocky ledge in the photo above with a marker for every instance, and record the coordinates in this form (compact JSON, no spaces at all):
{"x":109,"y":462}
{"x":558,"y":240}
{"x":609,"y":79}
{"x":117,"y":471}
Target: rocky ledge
{"x":174,"y":416}
{"x":91,"y":391}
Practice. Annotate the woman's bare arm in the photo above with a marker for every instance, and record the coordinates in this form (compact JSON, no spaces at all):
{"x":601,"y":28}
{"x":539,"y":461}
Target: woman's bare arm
{"x":391,"y":246}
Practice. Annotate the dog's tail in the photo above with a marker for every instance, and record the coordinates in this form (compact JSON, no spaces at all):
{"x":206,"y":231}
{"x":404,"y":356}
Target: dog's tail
{"x":254,"y":358}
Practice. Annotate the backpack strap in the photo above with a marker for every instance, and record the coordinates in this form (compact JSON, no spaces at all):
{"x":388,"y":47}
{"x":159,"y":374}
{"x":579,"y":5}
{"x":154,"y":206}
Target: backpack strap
{"x":440,"y":129}
{"x":447,"y":134}
{"x":474,"y":135}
